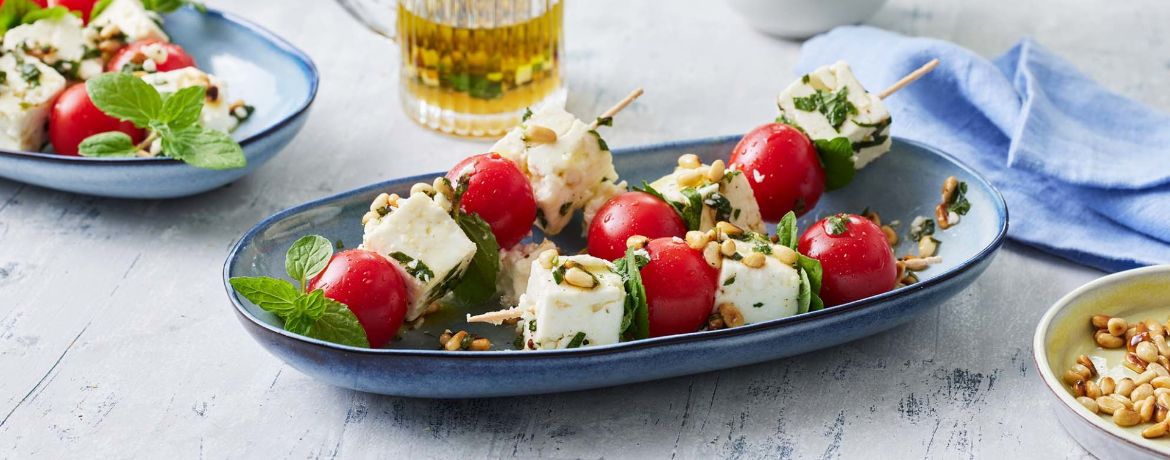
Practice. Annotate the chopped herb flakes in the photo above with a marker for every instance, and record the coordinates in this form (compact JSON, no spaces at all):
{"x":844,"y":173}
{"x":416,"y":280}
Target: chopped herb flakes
{"x":834,"y":106}
{"x":837,"y":225}
{"x":577,"y":340}
{"x":414,"y":267}
{"x":758,"y":305}
{"x":527,"y":114}
{"x":604,"y":121}
{"x":600,"y":142}
{"x":959,"y":204}
{"x":30,"y":73}
{"x":729,"y":281}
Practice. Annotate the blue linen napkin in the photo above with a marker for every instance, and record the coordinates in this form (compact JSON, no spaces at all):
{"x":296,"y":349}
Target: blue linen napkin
{"x":1085,"y":171}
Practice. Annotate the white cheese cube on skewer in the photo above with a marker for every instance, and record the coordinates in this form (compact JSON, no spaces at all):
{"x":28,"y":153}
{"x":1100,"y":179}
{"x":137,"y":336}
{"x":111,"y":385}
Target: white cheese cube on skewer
{"x":422,"y":239}
{"x":553,"y":314}
{"x":131,"y":19}
{"x":730,"y":199}
{"x":569,"y":173}
{"x":760,"y":294}
{"x":515,"y":268}
{"x":857,"y":115}
{"x":60,"y":43}
{"x":26,"y":96}
{"x":218,"y":113}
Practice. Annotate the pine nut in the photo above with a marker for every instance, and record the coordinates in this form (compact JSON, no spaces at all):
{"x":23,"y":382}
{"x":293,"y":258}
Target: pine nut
{"x":927,"y":246}
{"x":688,"y":177}
{"x":1164,"y":362}
{"x":1163,"y":347}
{"x":1082,"y":371}
{"x":580,"y":278}
{"x":1089,"y":403}
{"x":1155,"y":328}
{"x":1126,"y":417}
{"x":697,"y":240}
{"x":1131,"y":343}
{"x":1134,"y":363}
{"x":1125,"y":387}
{"x":422,"y":188}
{"x":546,"y":258}
{"x":480,"y":345}
{"x":368,"y":217}
{"x":689,"y":161}
{"x":443,"y":186}
{"x":948,"y":188}
{"x":637,"y":242}
{"x":1088,"y":363}
{"x":1107,"y":340}
{"x":1080,"y":389}
{"x":785,"y":255}
{"x":891,"y":235}
{"x":1147,"y":409}
{"x":1155,"y":431}
{"x":1099,"y":321}
{"x":1108,"y":386}
{"x":1163,"y":399}
{"x":539,"y":134}
{"x":1142,"y":392}
{"x":444,"y":337}
{"x":1145,"y":377}
{"x":1109,"y":404}
{"x":754,"y":260}
{"x":380,"y":202}
{"x":731,"y":315}
{"x":717,"y":170}
{"x":1117,"y":326}
{"x":712,"y":256}
{"x":1158,"y":369}
{"x":727,"y":228}
{"x":456,"y":341}
{"x":727,"y":248}
{"x":1092,"y":390}
{"x":1160,"y":382}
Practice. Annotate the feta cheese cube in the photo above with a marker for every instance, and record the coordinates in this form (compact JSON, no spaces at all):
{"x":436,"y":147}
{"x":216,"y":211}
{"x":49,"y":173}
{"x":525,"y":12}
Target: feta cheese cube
{"x":566,"y":175}
{"x":26,"y":96}
{"x":422,"y":239}
{"x":864,"y":121}
{"x":760,"y":294}
{"x":515,"y":268}
{"x":730,"y":199}
{"x":59,"y":43}
{"x":130,"y":19}
{"x":553,"y":314}
{"x":217,"y":111}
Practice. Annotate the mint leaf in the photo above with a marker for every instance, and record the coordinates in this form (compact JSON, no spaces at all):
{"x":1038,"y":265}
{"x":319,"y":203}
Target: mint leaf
{"x":307,"y":257}
{"x":338,"y":324}
{"x":270,"y":294}
{"x":53,"y":14}
{"x":804,"y":297}
{"x":12,"y":12}
{"x":692,"y":210}
{"x":204,"y":148}
{"x":637,"y":313}
{"x":182,"y":109}
{"x":837,"y":160}
{"x":478,"y":284}
{"x":787,"y":232}
{"x":811,"y":268}
{"x":98,"y":7}
{"x":125,"y":97}
{"x":167,"y":6}
{"x":111,"y":144}
{"x":577,"y":340}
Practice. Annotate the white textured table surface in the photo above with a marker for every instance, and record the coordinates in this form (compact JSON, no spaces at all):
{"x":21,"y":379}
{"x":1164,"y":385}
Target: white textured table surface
{"x":116,"y":339}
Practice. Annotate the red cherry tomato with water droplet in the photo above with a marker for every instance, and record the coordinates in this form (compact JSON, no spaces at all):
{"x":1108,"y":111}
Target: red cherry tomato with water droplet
{"x":371,"y":287}
{"x":857,"y":262}
{"x":680,"y":287}
{"x":629,"y":214}
{"x":500,"y":194}
{"x":783,"y":168}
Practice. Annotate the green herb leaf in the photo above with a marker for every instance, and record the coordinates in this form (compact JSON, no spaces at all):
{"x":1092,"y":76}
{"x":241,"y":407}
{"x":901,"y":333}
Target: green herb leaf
{"x":926,"y":229}
{"x":307,"y":257}
{"x":604,"y":121}
{"x":31,"y":73}
{"x":478,"y":284}
{"x":204,"y":148}
{"x":577,"y":340}
{"x":270,"y":294}
{"x":12,"y":12}
{"x":98,"y":7}
{"x":804,"y":296}
{"x":959,"y":203}
{"x":834,"y":106}
{"x":182,"y":109}
{"x":811,"y":268}
{"x":111,"y":144}
{"x":600,"y":142}
{"x":311,"y":314}
{"x":527,"y":114}
{"x":53,"y":14}
{"x":721,"y":205}
{"x":167,"y":6}
{"x":692,"y":210}
{"x":837,"y":159}
{"x":787,"y":232}
{"x":337,"y":324}
{"x":636,"y":318}
{"x":837,"y":224}
{"x":413,"y":267}
{"x":125,"y":97}
{"x":729,"y":281}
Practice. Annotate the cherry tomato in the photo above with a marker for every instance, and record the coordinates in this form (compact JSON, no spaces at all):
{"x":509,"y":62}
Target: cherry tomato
{"x":85,"y":7}
{"x":855,"y":256}
{"x":176,"y":59}
{"x":499,"y":193}
{"x":371,"y":287}
{"x":74,"y":118}
{"x":629,"y":214}
{"x":680,"y":287}
{"x":783,"y":167}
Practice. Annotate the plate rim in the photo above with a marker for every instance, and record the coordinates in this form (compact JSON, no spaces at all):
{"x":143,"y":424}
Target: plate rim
{"x":621,"y":347}
{"x":271,"y":39}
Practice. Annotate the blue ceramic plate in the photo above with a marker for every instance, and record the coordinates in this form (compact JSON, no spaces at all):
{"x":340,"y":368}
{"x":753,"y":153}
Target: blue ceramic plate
{"x":903,"y":184}
{"x":259,"y":67}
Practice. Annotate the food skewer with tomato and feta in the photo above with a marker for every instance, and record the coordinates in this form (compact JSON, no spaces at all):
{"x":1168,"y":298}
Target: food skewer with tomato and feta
{"x":687,"y":252}
{"x":101,"y":78}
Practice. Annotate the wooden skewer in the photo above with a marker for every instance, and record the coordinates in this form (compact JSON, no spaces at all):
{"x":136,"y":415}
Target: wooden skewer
{"x":617,"y":108}
{"x":495,"y":317}
{"x":908,"y":79}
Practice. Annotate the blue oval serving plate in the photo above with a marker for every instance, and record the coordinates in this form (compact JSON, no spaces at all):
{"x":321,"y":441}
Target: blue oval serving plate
{"x":901,"y":185}
{"x":259,"y":67}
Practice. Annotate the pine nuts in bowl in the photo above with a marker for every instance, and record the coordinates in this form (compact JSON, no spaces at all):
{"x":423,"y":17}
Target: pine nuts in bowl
{"x":1102,"y":346}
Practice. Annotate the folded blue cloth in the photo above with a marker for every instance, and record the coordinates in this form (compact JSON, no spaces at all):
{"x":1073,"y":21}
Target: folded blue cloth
{"x":1085,"y":171}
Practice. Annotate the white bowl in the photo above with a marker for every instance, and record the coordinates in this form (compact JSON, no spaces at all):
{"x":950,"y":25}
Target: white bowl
{"x":803,"y":18}
{"x":1064,"y":333}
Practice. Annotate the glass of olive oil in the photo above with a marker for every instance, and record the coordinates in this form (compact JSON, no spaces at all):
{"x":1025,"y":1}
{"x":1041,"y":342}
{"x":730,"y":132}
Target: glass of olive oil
{"x":471,"y":67}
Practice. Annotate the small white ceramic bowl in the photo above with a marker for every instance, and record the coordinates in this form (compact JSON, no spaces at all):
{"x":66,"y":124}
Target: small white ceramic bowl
{"x":1064,"y":333}
{"x":803,"y":18}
